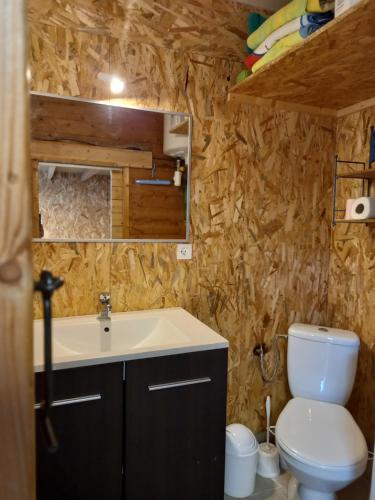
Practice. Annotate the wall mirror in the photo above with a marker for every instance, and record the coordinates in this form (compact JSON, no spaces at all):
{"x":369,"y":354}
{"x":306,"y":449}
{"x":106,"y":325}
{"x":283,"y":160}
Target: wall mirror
{"x":104,"y":172}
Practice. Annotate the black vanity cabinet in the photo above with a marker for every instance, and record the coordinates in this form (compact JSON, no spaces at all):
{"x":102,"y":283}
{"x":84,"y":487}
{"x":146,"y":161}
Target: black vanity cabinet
{"x":88,"y":420}
{"x":157,"y":435}
{"x":175,"y":415}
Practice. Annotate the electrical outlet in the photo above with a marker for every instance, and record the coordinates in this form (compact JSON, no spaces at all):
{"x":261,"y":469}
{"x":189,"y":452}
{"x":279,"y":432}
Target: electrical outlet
{"x":184,"y":251}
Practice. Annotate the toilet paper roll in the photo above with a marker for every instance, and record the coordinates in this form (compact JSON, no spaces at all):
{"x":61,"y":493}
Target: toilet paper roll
{"x":363,"y":208}
{"x":348,"y":208}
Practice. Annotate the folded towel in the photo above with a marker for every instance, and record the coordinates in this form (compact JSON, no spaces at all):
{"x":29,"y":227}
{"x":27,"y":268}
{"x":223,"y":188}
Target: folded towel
{"x":311,"y":22}
{"x":254,"y":20}
{"x":277,"y":35}
{"x":317,"y":18}
{"x":292,"y":10}
{"x":279,"y":48}
{"x":303,"y":23}
{"x":251,"y":59}
{"x":242,"y":75}
{"x":284,"y":45}
{"x":320,"y":5}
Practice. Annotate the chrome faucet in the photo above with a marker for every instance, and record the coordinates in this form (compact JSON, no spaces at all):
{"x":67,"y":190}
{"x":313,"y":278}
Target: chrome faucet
{"x":105,"y":301}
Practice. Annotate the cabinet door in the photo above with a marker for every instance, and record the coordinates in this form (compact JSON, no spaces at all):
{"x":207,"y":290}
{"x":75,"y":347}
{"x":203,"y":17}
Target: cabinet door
{"x":175,"y":427}
{"x":88,"y":423}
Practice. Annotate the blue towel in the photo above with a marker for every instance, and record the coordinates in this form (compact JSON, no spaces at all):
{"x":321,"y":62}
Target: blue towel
{"x":312,"y":22}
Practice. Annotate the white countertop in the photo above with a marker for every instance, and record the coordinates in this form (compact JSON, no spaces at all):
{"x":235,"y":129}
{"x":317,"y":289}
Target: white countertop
{"x":82,"y":340}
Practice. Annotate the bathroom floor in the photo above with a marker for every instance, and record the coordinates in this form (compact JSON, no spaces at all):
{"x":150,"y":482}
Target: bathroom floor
{"x":277,"y":489}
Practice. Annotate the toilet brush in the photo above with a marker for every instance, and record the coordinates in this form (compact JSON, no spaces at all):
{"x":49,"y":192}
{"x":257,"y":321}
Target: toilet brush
{"x":268,"y":416}
{"x":268,"y":465}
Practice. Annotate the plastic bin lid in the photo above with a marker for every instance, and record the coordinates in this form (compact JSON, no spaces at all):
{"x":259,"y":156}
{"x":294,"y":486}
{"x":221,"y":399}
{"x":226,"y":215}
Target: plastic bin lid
{"x":240,"y":441}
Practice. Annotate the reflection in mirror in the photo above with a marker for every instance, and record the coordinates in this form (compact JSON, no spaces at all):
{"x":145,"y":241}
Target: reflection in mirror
{"x":103,"y":172}
{"x":74,"y":201}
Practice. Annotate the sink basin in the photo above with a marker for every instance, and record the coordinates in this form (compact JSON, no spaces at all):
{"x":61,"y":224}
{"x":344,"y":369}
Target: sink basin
{"x":122,"y":334}
{"x":84,"y":340}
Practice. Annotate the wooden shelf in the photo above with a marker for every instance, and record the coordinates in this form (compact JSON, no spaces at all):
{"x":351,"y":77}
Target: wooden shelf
{"x":355,"y":221}
{"x":329,"y":73}
{"x":181,"y":128}
{"x":366,"y":174}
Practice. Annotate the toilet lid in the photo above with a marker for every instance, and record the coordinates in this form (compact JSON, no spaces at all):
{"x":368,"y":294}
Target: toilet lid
{"x":320,"y":434}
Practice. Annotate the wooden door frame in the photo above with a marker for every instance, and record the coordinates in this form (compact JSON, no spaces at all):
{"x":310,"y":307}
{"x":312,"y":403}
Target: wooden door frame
{"x":17,"y":430}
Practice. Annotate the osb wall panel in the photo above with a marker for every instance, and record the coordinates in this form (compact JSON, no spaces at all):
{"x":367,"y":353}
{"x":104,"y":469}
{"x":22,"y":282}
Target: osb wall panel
{"x":352,"y":274}
{"x":211,"y":27}
{"x":259,"y":224}
{"x":72,"y":208}
{"x":66,"y":62}
{"x":85,"y":268}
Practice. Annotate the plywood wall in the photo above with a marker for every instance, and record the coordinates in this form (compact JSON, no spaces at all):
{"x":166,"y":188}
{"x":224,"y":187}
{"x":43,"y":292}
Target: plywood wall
{"x":260,"y":228}
{"x":352,"y":274}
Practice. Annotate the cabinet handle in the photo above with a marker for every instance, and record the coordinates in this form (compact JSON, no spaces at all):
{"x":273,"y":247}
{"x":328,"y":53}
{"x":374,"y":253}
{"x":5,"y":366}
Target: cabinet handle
{"x":71,"y":401}
{"x":181,"y":383}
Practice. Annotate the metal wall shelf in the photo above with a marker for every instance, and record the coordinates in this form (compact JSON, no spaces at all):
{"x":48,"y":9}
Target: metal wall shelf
{"x":366,"y":175}
{"x":355,"y":221}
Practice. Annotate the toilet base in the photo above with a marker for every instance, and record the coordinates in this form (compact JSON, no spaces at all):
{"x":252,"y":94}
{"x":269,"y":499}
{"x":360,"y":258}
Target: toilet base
{"x":296,"y":491}
{"x":309,"y":494}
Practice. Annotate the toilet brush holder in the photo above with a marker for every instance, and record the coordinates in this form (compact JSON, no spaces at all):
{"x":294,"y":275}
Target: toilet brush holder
{"x":268,"y":464}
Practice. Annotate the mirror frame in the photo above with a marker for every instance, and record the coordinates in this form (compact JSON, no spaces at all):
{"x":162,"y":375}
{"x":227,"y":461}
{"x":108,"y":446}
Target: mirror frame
{"x":188,"y":184}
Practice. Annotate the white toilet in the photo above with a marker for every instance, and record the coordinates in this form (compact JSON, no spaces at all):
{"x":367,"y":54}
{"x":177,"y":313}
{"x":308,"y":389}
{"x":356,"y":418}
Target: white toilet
{"x":318,"y":439}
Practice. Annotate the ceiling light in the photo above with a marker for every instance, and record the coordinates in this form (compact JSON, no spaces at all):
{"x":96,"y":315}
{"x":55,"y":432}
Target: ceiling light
{"x":117,"y":85}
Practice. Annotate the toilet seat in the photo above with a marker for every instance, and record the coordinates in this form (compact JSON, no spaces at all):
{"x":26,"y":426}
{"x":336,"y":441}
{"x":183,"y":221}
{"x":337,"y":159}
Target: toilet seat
{"x":320,"y":434}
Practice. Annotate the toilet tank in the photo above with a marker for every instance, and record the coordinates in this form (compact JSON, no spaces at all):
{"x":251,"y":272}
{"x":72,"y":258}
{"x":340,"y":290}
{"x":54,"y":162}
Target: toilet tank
{"x":322,"y":362}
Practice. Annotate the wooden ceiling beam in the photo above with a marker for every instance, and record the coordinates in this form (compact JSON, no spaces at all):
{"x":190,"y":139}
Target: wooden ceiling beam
{"x":66,"y":152}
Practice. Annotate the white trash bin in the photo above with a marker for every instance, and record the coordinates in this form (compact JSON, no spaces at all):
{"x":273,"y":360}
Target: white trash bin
{"x":241,"y":461}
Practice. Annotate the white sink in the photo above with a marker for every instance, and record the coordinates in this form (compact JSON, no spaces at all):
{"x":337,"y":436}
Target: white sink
{"x":123,"y":334}
{"x":84,"y":340}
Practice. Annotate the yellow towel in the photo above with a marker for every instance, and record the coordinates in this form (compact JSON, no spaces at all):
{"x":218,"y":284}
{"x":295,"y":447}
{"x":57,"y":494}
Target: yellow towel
{"x":293,"y":9}
{"x":279,"y":48}
{"x":320,"y":5}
